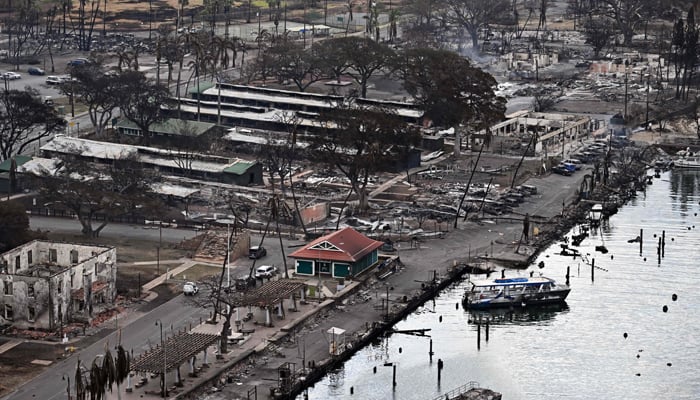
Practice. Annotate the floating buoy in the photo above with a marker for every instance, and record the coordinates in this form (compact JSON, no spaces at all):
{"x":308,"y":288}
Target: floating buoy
{"x":637,"y":355}
{"x":457,"y":306}
{"x":655,"y":235}
{"x":672,"y":239}
{"x":624,"y":335}
{"x":645,"y":258}
{"x":674,"y":297}
{"x":665,"y":308}
{"x":612,"y":256}
{"x":669,"y":364}
{"x":440,"y":318}
{"x":638,"y":374}
{"x":400,"y":350}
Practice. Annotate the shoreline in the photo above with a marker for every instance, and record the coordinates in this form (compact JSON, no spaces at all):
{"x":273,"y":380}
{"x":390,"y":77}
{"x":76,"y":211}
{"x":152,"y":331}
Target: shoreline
{"x":408,"y":290}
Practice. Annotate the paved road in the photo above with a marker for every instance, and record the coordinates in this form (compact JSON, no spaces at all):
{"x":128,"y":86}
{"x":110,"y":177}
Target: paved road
{"x":69,"y":225}
{"x":136,"y":335}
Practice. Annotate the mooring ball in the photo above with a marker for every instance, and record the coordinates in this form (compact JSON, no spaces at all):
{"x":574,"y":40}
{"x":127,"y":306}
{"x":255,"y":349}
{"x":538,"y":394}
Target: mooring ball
{"x":624,"y":335}
{"x":612,"y":256}
{"x":645,"y":258}
{"x":688,"y":228}
{"x":655,"y":235}
{"x":672,"y":239}
{"x":665,"y":308}
{"x":638,"y":374}
{"x":440,"y":319}
{"x":669,"y":364}
{"x":637,"y":355}
{"x":674,"y":297}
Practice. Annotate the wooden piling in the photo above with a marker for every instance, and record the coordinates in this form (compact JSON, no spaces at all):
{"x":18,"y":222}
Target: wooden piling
{"x":663,"y":243}
{"x":393,"y":378}
{"x":568,"y":269}
{"x":593,"y":270}
{"x":478,"y":335}
{"x":440,"y":366}
{"x":641,"y":240}
{"x":487,"y":330}
{"x":430,"y":352}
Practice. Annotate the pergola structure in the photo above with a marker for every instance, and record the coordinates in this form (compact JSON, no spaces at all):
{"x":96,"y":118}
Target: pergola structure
{"x":178,"y":349}
{"x":273,"y":294}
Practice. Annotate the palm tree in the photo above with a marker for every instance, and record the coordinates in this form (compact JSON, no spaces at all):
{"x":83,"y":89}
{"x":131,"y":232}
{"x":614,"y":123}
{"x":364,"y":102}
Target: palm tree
{"x":274,"y":204}
{"x":393,"y":20}
{"x":349,"y":7}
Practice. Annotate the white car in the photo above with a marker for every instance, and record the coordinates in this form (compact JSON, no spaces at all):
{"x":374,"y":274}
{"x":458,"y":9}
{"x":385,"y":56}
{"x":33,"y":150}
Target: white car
{"x":53,"y":80}
{"x":265,"y":271}
{"x":11,"y":75}
{"x":190,"y":289}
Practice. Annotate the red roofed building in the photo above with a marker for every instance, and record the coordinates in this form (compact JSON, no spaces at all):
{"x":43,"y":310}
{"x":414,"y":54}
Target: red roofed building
{"x":343,"y":253}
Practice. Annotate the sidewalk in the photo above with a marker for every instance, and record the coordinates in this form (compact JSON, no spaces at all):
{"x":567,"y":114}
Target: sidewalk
{"x":256,"y":339}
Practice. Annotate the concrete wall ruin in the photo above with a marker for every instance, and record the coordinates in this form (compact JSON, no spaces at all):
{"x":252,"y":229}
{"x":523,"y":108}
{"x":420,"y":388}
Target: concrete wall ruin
{"x":44,"y":284}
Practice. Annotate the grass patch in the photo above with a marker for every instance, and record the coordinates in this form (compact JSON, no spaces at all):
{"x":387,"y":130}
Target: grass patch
{"x":197,"y":272}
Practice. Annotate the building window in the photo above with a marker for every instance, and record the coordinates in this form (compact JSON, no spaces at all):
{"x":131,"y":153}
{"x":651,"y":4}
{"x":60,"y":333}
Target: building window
{"x":53,"y":255}
{"x":9,"y":315}
{"x":8,"y":288}
{"x":29,"y":257}
{"x":31,"y":312}
{"x":18,"y":262}
{"x":30,"y":290}
{"x":74,"y":256}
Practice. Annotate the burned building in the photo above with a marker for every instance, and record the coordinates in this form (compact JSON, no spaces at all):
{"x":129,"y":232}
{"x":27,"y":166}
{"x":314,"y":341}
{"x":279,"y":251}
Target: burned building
{"x":44,"y":284}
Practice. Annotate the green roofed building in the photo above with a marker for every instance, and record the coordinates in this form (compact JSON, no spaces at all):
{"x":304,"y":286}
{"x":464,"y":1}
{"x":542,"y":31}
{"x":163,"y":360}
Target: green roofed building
{"x":19,"y":159}
{"x":169,"y":128}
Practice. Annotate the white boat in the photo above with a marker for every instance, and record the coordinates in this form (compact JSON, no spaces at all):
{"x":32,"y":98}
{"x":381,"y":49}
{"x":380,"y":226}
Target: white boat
{"x":596,"y":213}
{"x":514,"y":292}
{"x":688,"y":162}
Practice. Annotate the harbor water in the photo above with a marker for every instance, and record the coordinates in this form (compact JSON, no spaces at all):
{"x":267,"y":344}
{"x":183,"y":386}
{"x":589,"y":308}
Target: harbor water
{"x":621,"y":335}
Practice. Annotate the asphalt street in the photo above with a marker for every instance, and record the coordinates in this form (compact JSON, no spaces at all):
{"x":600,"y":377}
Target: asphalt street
{"x":138,"y":334}
{"x":143,"y":232}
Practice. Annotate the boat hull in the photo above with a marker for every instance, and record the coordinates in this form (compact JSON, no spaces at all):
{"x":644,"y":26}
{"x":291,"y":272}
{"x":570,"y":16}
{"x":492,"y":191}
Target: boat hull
{"x":475,"y":301}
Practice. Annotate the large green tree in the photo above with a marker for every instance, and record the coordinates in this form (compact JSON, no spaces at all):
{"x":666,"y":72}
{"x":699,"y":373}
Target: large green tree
{"x":450,"y":89}
{"x":14,"y":225}
{"x":141,"y":100}
{"x":25,"y":119}
{"x":101,"y":192}
{"x":473,"y":15}
{"x":98,"y":90}
{"x":360,"y":58}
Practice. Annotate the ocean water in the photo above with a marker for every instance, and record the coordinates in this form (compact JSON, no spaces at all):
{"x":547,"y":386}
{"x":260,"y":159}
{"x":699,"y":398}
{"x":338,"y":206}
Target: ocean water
{"x":578,"y":351}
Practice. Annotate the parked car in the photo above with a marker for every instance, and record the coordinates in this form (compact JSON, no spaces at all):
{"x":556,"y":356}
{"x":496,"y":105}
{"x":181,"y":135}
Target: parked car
{"x":53,"y":80}
{"x":574,"y":161}
{"x":256,"y":252}
{"x":10,"y":76}
{"x":35,"y":71}
{"x":190,"y":289}
{"x":78,"y":62}
{"x":265,"y":271}
{"x":570,"y":167}
{"x":561,"y":170}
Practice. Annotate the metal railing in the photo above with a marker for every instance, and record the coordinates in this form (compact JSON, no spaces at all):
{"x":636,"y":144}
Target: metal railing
{"x":458,"y":391}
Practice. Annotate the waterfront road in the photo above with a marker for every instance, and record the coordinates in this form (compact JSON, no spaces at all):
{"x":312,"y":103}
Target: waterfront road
{"x":138,"y":334}
{"x":142,"y":232}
